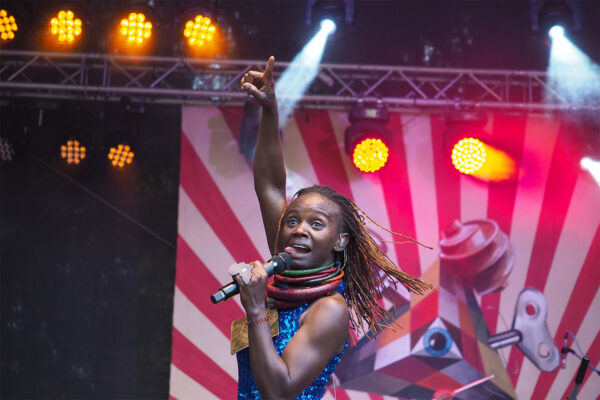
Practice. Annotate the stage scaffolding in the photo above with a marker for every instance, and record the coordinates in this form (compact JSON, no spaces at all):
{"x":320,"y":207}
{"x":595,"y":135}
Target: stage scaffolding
{"x":189,"y":81}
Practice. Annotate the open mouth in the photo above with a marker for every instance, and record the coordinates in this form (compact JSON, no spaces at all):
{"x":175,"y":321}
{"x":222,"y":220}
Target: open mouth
{"x":297,"y":249}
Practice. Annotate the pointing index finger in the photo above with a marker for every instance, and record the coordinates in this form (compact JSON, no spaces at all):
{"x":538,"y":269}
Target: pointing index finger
{"x":268,"y":74}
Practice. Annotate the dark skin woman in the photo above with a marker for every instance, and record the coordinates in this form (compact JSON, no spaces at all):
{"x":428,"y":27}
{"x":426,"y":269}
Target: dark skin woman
{"x":318,"y":228}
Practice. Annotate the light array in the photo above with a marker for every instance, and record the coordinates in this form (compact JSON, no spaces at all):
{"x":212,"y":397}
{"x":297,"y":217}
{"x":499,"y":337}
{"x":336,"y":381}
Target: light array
{"x":120,"y":155}
{"x":468,"y":155}
{"x":6,"y":150}
{"x":8,"y":26}
{"x":135,"y":28}
{"x":199,"y":31}
{"x":72,"y":152}
{"x":65,"y":27}
{"x":370,"y":155}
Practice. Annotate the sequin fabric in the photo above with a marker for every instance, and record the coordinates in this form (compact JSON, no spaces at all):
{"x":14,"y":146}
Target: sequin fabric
{"x":288,"y":326}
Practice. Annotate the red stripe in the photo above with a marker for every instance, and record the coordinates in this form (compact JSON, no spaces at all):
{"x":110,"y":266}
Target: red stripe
{"x":373,"y":396}
{"x":509,"y":133}
{"x":171,"y":397}
{"x":197,"y":282}
{"x":557,"y":197}
{"x":396,"y":191}
{"x":201,"y":368}
{"x":581,"y":298}
{"x":339,"y":393}
{"x":594,"y":354}
{"x":323,"y":151}
{"x":447,"y":178}
{"x":233,"y":118}
{"x":204,"y":193}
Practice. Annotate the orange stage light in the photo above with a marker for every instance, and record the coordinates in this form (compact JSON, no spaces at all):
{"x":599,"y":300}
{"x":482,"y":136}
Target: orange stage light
{"x":135,"y":29}
{"x":65,"y":27}
{"x":200,"y":31}
{"x":72,"y":152}
{"x":8,"y":26}
{"x":120,"y":155}
{"x":483,"y":161}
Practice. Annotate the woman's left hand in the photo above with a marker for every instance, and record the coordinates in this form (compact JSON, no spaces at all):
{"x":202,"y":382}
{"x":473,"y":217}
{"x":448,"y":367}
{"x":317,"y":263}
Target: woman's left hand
{"x":252,"y":294}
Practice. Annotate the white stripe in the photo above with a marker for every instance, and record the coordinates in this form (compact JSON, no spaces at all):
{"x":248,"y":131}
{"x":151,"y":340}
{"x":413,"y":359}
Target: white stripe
{"x":216,"y":146}
{"x":540,"y":136}
{"x":197,"y":233}
{"x":300,"y":171}
{"x":201,"y":331}
{"x":585,"y":335}
{"x":474,"y":192}
{"x":573,"y":245}
{"x":356,"y":395}
{"x":367,"y":191}
{"x":182,"y":387}
{"x":421,"y":177}
{"x":473,"y":199}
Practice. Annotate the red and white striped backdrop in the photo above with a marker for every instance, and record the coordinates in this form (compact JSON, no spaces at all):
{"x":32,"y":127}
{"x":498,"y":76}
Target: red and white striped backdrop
{"x":551,"y":215}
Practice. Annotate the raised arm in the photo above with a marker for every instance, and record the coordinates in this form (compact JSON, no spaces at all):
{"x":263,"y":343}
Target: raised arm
{"x":269,"y":168}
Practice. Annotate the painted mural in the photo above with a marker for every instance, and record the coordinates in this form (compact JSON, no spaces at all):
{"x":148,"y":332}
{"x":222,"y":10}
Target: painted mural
{"x":515,"y":262}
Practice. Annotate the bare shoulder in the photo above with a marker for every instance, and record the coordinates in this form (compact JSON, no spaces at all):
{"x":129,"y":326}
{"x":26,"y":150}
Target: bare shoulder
{"x":330,"y":313}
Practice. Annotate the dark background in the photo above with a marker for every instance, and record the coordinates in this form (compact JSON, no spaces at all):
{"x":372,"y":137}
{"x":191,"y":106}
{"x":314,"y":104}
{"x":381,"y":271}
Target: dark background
{"x":87,"y":253}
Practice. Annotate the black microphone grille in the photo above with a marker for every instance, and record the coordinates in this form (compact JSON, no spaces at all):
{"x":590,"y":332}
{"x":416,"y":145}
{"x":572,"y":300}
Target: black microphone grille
{"x":283,"y":260}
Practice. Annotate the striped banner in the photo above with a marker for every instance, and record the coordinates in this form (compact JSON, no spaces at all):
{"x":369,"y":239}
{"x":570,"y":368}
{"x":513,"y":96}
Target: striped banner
{"x":550,"y":215}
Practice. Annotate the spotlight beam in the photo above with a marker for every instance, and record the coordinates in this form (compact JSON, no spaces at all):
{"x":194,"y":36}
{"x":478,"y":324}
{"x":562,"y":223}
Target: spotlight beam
{"x":300,"y":73}
{"x":572,"y":75}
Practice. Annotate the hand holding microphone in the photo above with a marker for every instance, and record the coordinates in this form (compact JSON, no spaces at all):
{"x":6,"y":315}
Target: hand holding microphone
{"x":276,"y":264}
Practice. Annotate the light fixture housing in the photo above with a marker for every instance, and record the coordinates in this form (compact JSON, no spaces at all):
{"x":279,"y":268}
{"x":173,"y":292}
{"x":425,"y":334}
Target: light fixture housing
{"x":367,"y":140}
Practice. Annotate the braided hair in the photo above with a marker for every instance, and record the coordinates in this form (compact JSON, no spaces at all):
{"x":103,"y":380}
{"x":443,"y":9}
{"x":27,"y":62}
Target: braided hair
{"x":365,"y":263}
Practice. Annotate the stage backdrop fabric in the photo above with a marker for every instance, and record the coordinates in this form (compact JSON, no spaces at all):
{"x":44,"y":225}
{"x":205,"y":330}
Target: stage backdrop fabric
{"x":550,"y":215}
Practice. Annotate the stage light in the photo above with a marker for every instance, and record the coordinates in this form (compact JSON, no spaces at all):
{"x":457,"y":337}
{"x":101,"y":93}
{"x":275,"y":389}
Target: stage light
{"x":8,"y":26}
{"x":544,"y":14}
{"x":367,"y":140}
{"x":473,"y":151}
{"x":328,"y":26}
{"x":370,"y":155}
{"x":468,"y":155}
{"x":337,"y":13}
{"x":65,"y":27}
{"x":72,"y":152}
{"x":135,"y":29}
{"x":556,"y":31}
{"x":572,"y":74}
{"x":7,"y":151}
{"x":120,"y":155}
{"x":592,"y":166}
{"x":200,"y":31}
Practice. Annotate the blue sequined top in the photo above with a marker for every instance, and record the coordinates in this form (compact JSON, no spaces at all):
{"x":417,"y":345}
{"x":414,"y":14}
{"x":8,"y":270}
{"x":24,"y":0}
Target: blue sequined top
{"x":288,"y":326}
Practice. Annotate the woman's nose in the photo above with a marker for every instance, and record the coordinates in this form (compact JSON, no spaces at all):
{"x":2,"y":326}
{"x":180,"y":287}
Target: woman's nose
{"x":300,"y":229}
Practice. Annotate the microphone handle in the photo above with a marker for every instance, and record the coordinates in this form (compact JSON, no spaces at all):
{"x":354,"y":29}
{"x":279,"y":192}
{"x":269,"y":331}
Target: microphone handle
{"x":278,"y":263}
{"x":583,"y":366}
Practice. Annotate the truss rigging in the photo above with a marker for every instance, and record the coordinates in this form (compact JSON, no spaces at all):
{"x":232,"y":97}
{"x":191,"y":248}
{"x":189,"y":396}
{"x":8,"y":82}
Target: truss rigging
{"x":174,"y":80}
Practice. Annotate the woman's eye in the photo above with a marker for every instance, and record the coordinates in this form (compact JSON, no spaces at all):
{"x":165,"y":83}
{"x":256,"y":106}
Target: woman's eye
{"x":317,"y":224}
{"x":292,"y":221}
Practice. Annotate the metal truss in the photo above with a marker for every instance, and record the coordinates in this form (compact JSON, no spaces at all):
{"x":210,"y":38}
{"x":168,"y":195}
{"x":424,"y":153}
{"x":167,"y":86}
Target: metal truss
{"x":174,"y":80}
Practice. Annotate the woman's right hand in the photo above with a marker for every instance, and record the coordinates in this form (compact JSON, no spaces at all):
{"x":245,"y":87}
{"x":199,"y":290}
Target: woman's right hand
{"x":261,"y":85}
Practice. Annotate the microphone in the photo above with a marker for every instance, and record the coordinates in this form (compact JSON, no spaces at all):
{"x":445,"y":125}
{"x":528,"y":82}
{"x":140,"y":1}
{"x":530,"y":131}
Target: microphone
{"x":564,"y":351}
{"x":279,"y":262}
{"x":583,"y":366}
